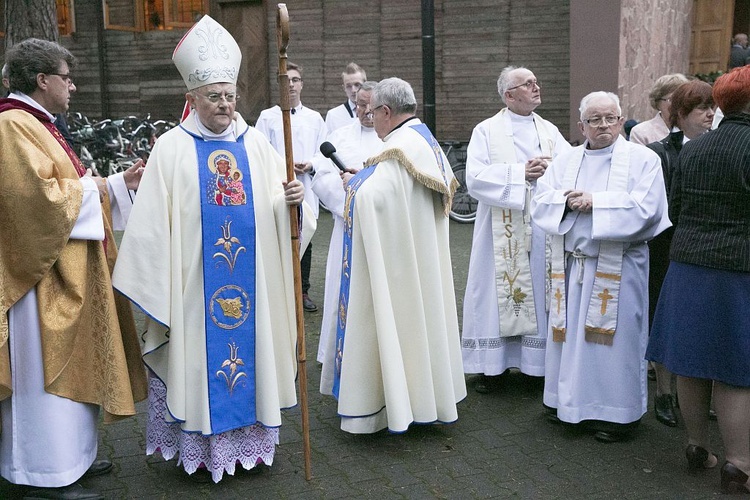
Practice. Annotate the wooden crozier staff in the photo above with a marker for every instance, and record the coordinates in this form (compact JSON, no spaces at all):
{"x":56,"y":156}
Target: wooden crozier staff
{"x":282,"y":39}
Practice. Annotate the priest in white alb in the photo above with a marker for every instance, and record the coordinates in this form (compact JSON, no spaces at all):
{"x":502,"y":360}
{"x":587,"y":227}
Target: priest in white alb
{"x":600,"y":203}
{"x":207,"y":256}
{"x":505,"y":315}
{"x":354,"y":144}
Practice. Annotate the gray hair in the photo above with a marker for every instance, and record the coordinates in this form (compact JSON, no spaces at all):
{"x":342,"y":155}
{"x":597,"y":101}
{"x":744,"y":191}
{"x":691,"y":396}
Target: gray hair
{"x":593,"y":95}
{"x":663,"y":86}
{"x":503,"y":81}
{"x":396,"y":94}
{"x":32,"y":56}
{"x":5,"y":71}
{"x":368,"y":86}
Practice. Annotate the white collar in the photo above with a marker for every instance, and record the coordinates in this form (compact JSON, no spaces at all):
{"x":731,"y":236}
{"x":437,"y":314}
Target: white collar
{"x":227,"y":135}
{"x":20,"y":96}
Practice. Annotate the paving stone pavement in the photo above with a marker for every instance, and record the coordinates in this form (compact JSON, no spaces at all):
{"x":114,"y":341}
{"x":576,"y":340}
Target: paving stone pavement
{"x":501,"y":446}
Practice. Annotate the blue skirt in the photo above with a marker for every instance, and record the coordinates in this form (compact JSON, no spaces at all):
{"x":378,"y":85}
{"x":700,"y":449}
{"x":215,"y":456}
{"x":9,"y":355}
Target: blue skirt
{"x":701,"y":327}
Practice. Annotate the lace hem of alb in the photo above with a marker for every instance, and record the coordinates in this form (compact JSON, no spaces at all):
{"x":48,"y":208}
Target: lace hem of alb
{"x":218,"y":453}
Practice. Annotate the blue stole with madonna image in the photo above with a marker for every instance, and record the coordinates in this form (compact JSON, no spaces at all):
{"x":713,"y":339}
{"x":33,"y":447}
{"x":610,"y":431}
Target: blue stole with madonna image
{"x":351,"y":190}
{"x":228,"y":222}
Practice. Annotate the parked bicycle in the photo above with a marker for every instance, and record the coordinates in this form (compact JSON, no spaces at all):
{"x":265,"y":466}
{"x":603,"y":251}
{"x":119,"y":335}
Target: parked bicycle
{"x":111,"y":146}
{"x":464,"y":207}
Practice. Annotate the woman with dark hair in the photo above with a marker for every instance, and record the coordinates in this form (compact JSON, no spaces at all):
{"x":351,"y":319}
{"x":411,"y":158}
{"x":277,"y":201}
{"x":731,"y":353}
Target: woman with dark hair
{"x":701,"y":329}
{"x":690,"y":115}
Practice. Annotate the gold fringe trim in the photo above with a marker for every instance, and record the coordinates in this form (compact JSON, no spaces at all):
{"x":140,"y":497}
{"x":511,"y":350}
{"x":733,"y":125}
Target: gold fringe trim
{"x":437,"y":185}
{"x":601,"y":336}
{"x":558,"y":334}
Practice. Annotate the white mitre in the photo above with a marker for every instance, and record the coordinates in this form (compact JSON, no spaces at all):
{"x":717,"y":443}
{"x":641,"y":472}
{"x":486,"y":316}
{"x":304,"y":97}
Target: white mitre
{"x":207,"y":54}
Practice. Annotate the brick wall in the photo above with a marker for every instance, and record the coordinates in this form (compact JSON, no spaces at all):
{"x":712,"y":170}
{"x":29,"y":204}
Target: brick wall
{"x":474,"y":40}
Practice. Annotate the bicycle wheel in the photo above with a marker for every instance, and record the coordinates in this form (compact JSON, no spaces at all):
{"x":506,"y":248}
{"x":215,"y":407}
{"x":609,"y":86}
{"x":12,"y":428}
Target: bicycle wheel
{"x":464,"y":207}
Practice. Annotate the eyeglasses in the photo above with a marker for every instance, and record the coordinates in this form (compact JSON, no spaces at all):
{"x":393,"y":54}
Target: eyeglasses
{"x":665,"y":99}
{"x":215,"y":97}
{"x":599,"y":120}
{"x":529,"y":85}
{"x":65,"y":77}
{"x":362,"y":105}
{"x":376,"y":108}
{"x":295,"y":79}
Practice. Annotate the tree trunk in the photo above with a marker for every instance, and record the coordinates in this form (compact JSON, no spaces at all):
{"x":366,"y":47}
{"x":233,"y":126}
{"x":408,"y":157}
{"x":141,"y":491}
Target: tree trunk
{"x":30,"y":18}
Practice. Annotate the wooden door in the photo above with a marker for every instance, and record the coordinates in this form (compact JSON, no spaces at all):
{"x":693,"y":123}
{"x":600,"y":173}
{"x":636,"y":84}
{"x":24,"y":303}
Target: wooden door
{"x":246,"y":21}
{"x":711,"y":35}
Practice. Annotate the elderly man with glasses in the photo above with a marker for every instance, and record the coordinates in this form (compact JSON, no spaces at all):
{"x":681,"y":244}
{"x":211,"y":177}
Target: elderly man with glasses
{"x":505,"y":324}
{"x":599,"y":203}
{"x":68,"y":345}
{"x":206,"y":255}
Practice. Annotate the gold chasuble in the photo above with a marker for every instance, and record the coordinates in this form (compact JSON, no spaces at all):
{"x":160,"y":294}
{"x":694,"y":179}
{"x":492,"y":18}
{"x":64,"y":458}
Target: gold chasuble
{"x":84,"y":351}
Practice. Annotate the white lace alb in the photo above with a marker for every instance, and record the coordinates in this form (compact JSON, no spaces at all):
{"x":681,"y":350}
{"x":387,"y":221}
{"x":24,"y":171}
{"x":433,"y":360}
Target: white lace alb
{"x":218,"y":453}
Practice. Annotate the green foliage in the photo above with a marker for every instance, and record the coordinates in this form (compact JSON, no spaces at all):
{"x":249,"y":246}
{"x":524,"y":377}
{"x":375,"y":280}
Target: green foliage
{"x":709,"y":77}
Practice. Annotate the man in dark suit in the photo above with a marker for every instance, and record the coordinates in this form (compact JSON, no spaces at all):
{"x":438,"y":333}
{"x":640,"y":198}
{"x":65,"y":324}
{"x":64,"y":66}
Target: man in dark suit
{"x":739,"y":55}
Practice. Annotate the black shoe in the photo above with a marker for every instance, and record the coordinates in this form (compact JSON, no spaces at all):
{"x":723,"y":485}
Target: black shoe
{"x":733,"y":480}
{"x":551,"y":414}
{"x":664,"y":409}
{"x":98,"y":468}
{"x":697,"y":457}
{"x":609,"y":437}
{"x":73,"y":492}
{"x":712,"y":414}
{"x":482,"y":385}
{"x":307,"y":304}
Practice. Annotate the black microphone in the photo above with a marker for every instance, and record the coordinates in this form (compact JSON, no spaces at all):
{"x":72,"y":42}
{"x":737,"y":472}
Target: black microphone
{"x":329,"y":151}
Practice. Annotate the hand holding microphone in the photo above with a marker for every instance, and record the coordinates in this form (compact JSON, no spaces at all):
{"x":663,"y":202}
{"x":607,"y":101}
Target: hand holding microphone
{"x":329,"y":151}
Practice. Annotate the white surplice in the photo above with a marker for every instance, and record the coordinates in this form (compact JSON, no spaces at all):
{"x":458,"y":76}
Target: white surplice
{"x":354,"y":144}
{"x":308,"y":133}
{"x":586,"y":380}
{"x":46,"y":440}
{"x":503,"y":184}
{"x":339,"y":117}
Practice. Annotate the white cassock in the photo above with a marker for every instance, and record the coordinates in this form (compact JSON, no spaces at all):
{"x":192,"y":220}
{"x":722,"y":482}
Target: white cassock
{"x":308,"y":133}
{"x":586,"y":380}
{"x":354,"y":144}
{"x":503,"y":184}
{"x":341,"y":117}
{"x":47,"y":441}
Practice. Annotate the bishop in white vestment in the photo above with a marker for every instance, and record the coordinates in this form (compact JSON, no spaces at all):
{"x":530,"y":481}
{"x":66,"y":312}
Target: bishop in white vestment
{"x":207,"y":256}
